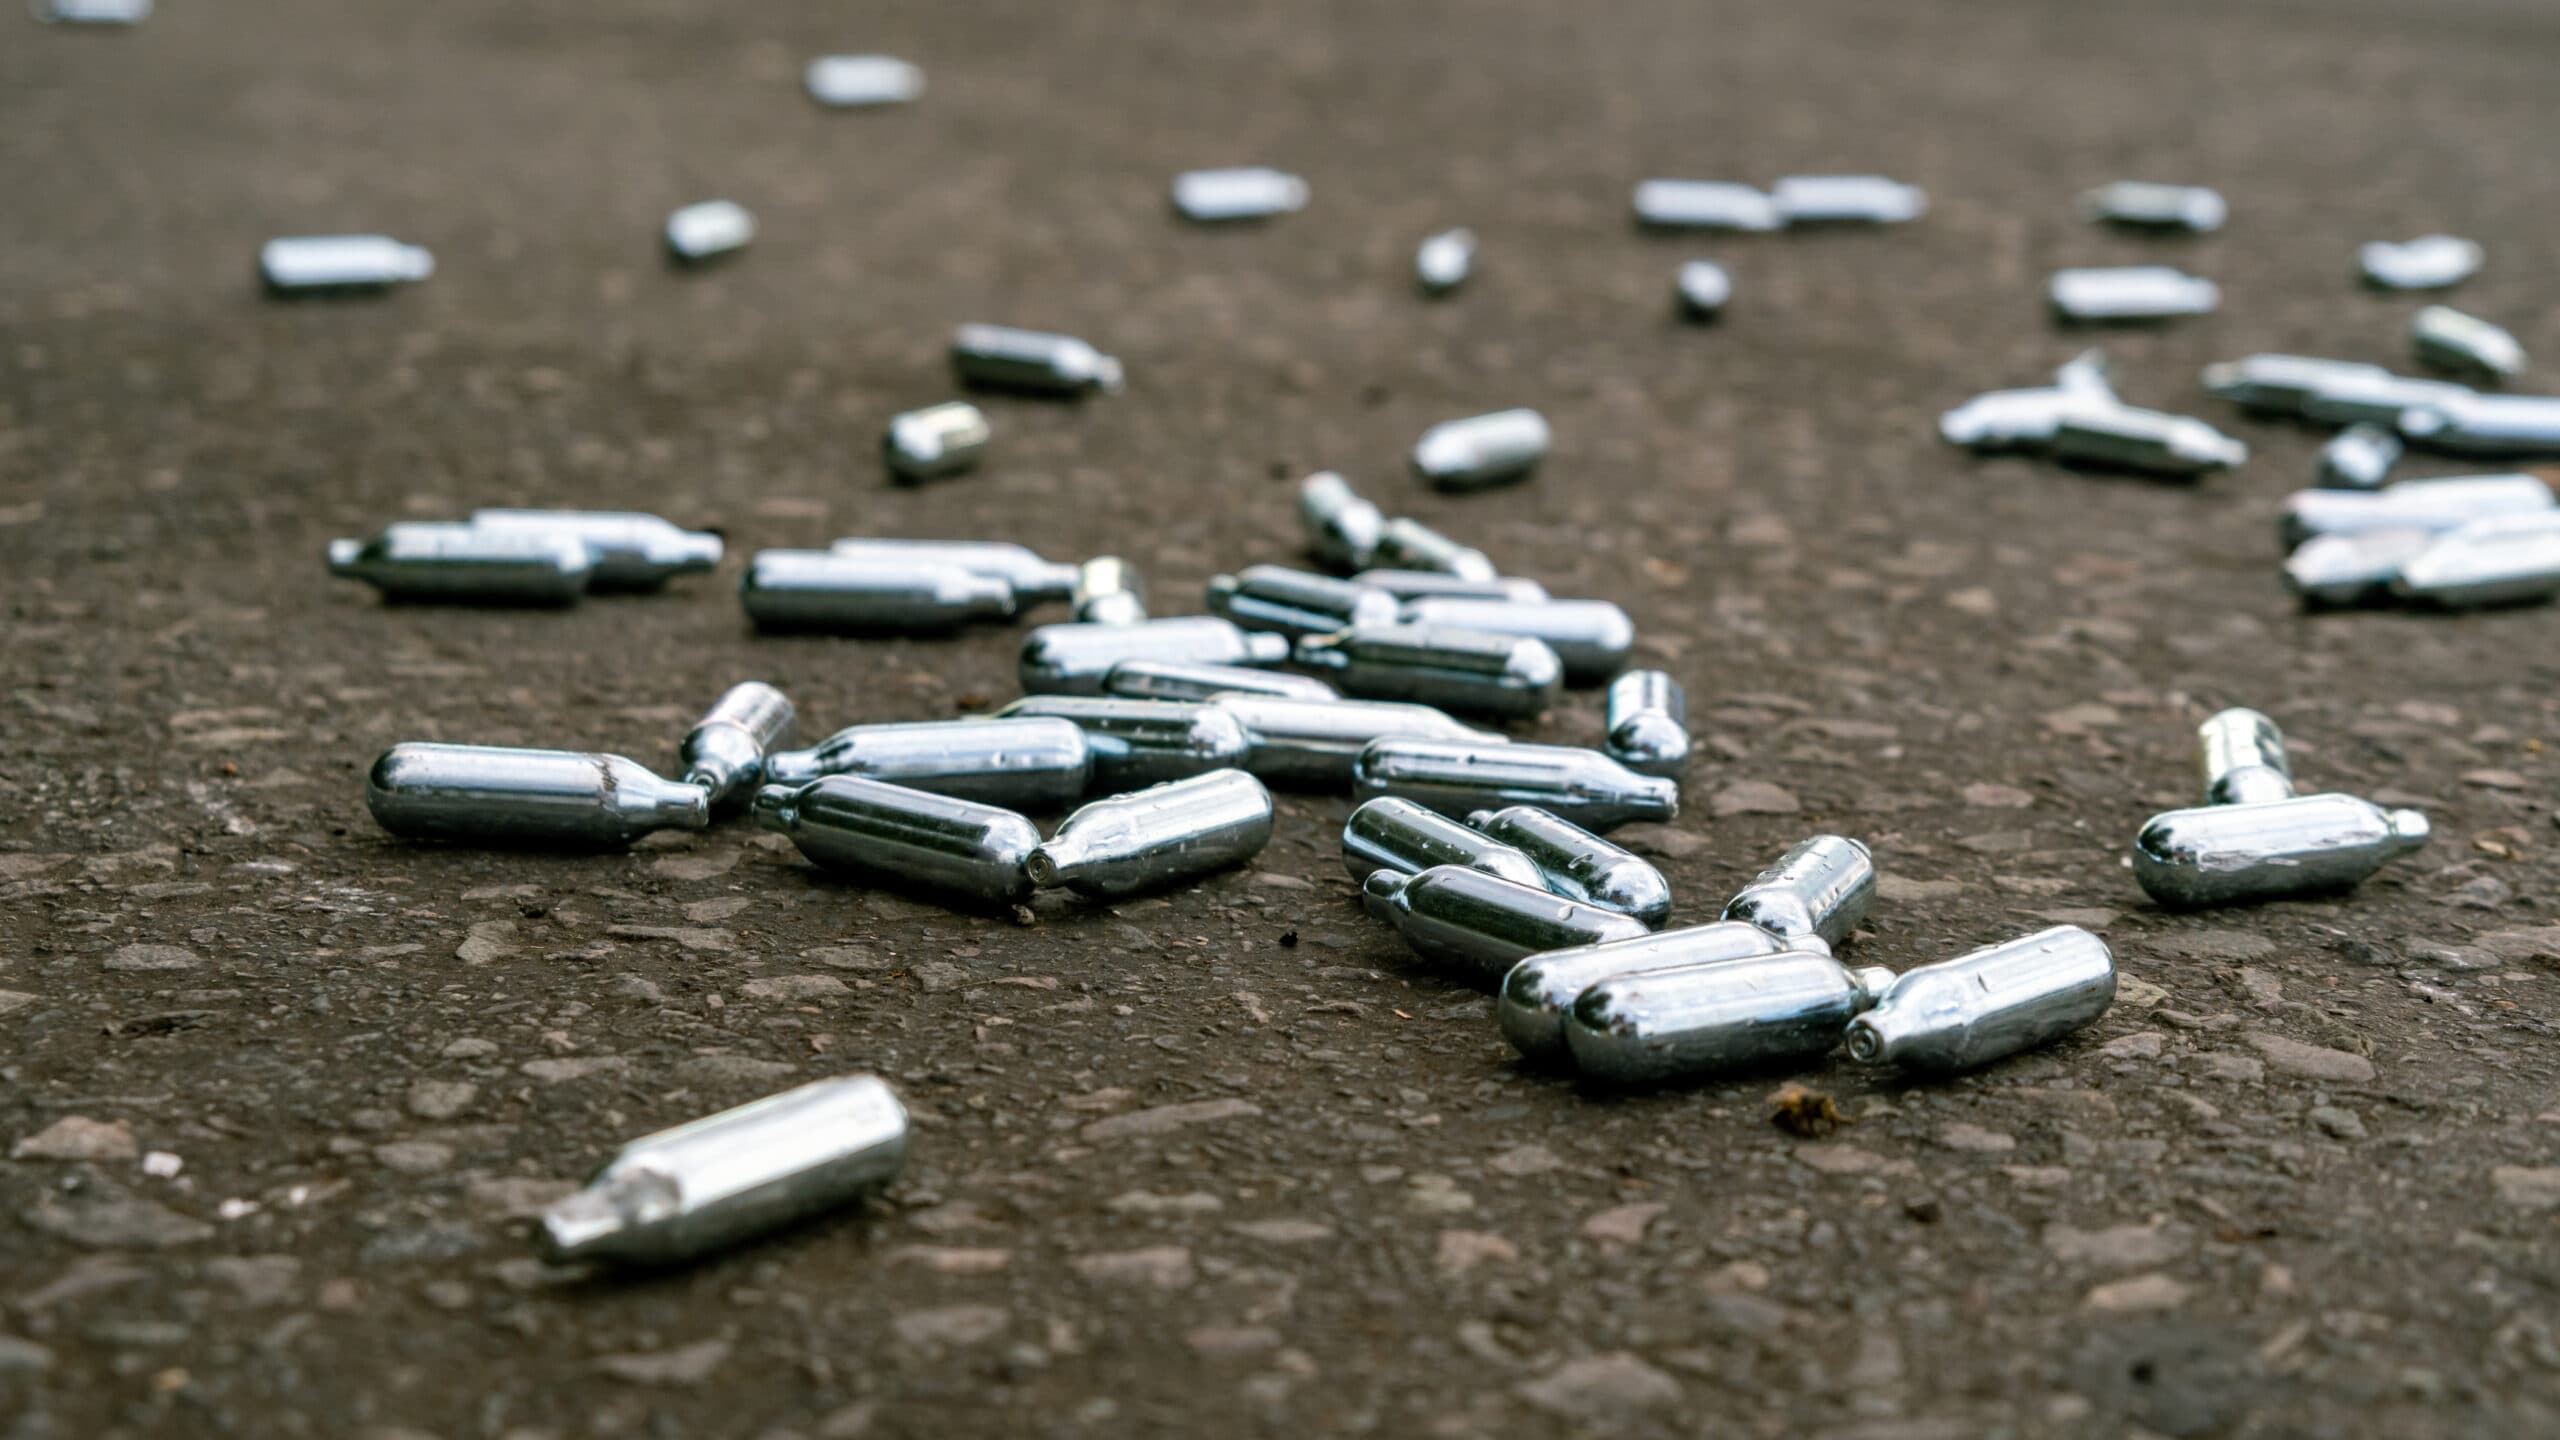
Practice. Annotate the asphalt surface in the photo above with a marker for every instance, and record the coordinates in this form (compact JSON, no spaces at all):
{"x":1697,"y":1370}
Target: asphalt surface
{"x":2302,"y":1180}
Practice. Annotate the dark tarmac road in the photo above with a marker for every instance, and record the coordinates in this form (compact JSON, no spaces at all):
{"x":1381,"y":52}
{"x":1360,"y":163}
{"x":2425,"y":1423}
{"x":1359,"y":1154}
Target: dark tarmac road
{"x":2302,"y":1181}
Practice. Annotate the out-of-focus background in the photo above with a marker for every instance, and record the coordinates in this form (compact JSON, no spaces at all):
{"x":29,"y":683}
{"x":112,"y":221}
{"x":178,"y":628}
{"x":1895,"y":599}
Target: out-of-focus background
{"x":372,"y":1059}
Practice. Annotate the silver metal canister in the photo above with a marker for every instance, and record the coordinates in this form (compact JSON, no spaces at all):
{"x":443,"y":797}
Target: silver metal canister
{"x":2228,"y":854}
{"x":724,"y":754}
{"x":1539,"y":992}
{"x":1316,"y":744}
{"x":1023,"y":764}
{"x":415,"y":562}
{"x":341,"y":264}
{"x":1406,"y":544}
{"x":1591,"y":637}
{"x":2359,"y":457}
{"x":710,"y":230}
{"x":1109,"y":592}
{"x":1703,"y":288}
{"x":632,"y":551}
{"x":1459,"y":778}
{"x":1297,"y":602}
{"x":1187,"y":680}
{"x":935,"y":441}
{"x":830,"y":590}
{"x":1579,"y":865}
{"x":2131,"y":292}
{"x":1034,"y":580}
{"x":2430,"y":262}
{"x":2343,"y":570}
{"x":2435,"y":505}
{"x":1969,"y":1011}
{"x":1471,"y":672}
{"x":2148,"y":205}
{"x":2384,"y":399}
{"x":1482,"y":450}
{"x":1648,"y":720}
{"x":1342,"y":528}
{"x":2461,"y":422}
{"x":2151,"y":441}
{"x":1073,"y":658}
{"x":725,"y":1178}
{"x":2283,"y":384}
{"x":1148,"y":839}
{"x":1722,"y":1015}
{"x":858,"y":81}
{"x":1846,"y":200}
{"x":1705,"y":205}
{"x":488,"y":794}
{"x":1437,"y":584}
{"x":998,"y":357}
{"x":1442,"y":262}
{"x":1138,"y":743}
{"x":1814,"y":897}
{"x":2242,"y":753}
{"x":2509,"y":560}
{"x":1242,"y":192}
{"x":902,"y":839}
{"x":2467,"y":345}
{"x":1404,"y":837}
{"x":1481,"y":925}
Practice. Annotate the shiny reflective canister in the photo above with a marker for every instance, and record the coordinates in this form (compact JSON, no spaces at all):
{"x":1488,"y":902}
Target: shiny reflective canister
{"x":998,"y":357}
{"x":2509,"y":560}
{"x":904,"y":840}
{"x":2230,"y":854}
{"x":1401,"y":836}
{"x":1969,"y":1011}
{"x":632,"y":551}
{"x":1716,"y":1017}
{"x":1591,"y":637}
{"x":1705,"y":205}
{"x":1242,"y":192}
{"x":1539,"y":992}
{"x":1481,"y":925}
{"x":1020,"y":764}
{"x":938,"y":440}
{"x":725,"y":1178}
{"x":830,"y":590}
{"x":1109,"y":592}
{"x":1406,"y":544}
{"x":2242,"y":753}
{"x":435,"y":561}
{"x":1033,"y":579}
{"x":1460,"y":778}
{"x":2131,"y":293}
{"x":724,"y":754}
{"x":489,"y":794}
{"x":2359,"y":457}
{"x":2152,"y":441}
{"x":1187,"y":680}
{"x":1579,"y":865}
{"x":1148,"y":839}
{"x":1137,"y":743}
{"x":1471,"y":672}
{"x":1482,"y":450}
{"x":1073,"y":658}
{"x":1342,"y":528}
{"x":341,"y":264}
{"x":1648,"y":723}
{"x":1818,"y":891}
{"x":1297,"y":602}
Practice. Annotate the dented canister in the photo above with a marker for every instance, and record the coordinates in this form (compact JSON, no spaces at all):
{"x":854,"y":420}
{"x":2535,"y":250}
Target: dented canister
{"x":1969,"y":1011}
